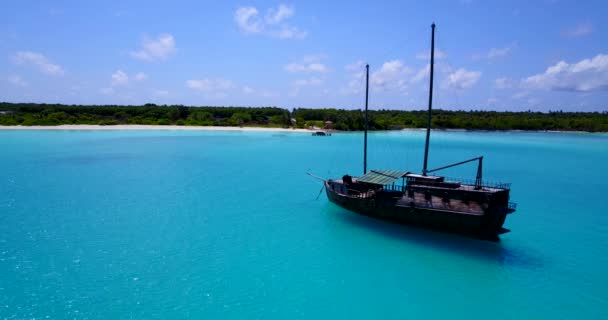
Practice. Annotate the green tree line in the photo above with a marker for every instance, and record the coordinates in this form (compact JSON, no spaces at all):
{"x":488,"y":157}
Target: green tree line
{"x":29,"y":114}
{"x":444,"y":119}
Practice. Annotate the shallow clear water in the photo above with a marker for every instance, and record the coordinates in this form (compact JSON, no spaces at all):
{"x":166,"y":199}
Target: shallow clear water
{"x":172,"y":225}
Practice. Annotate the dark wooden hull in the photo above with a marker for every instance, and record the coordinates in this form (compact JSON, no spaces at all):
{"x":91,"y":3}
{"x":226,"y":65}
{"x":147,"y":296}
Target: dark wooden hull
{"x":385,"y":207}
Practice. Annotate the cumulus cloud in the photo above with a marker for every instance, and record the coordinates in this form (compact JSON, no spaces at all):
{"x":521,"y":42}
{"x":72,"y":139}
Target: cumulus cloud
{"x":422,"y":74}
{"x":38,"y":60}
{"x":310,"y":67}
{"x":17,"y":81}
{"x":308,"y":82}
{"x":308,"y":64}
{"x":579,"y":30}
{"x":585,"y":75}
{"x":461,"y":79}
{"x":248,"y":90}
{"x":247,"y":20}
{"x":273,"y":24}
{"x":391,"y":75}
{"x":274,"y":16}
{"x":119,"y":78}
{"x":156,"y":49}
{"x":503,"y":83}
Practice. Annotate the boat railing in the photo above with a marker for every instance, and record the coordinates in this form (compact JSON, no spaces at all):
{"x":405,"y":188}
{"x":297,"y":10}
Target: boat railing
{"x":391,"y":187}
{"x":340,"y":188}
{"x":471,"y":182}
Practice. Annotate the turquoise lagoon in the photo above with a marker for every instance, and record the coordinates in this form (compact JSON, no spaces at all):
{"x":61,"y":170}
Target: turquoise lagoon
{"x":227,"y":225}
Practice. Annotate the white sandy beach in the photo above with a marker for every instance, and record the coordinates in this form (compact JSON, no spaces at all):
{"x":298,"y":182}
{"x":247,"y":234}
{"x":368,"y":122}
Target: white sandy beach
{"x":150,"y":127}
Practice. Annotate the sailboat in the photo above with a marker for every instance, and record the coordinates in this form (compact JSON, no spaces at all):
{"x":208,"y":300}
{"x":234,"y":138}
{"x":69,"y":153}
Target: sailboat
{"x":476,"y":208}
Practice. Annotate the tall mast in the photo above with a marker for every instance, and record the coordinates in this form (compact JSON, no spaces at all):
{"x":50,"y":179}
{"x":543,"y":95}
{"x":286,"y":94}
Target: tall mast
{"x":365,"y":134}
{"x":428,"y":125}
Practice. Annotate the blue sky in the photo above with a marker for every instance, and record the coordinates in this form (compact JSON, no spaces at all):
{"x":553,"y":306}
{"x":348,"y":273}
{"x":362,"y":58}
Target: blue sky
{"x":496,"y":55}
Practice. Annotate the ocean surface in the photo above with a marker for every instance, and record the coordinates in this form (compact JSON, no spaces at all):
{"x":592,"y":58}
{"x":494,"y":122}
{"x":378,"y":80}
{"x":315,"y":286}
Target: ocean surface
{"x":227,"y":225}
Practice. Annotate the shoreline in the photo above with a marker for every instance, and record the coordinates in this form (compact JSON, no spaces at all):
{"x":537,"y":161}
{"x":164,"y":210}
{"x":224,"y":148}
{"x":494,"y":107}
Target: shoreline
{"x":141,"y":127}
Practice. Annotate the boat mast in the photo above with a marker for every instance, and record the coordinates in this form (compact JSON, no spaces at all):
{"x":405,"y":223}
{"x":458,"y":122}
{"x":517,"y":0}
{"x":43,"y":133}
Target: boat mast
{"x":365,"y":134}
{"x":428,"y":125}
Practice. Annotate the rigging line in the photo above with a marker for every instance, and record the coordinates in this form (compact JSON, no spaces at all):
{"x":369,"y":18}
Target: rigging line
{"x":323,"y":187}
{"x":456,"y":164}
{"x":316,"y":177}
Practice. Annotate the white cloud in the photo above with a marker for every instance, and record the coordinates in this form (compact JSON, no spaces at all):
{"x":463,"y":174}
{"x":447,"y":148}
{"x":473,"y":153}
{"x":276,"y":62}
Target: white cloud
{"x":308,"y":82}
{"x":392,"y":75}
{"x":579,"y":30}
{"x":503,"y":83}
{"x":40,"y":61}
{"x":274,"y":16}
{"x":461,"y":79}
{"x":119,"y":78}
{"x":422,"y":74}
{"x":17,"y":81}
{"x":161,"y":93}
{"x":156,"y":49}
{"x":426,"y":55}
{"x":306,"y":68}
{"x":308,"y":64}
{"x":140,"y":76}
{"x":247,"y":20}
{"x":585,"y":75}
{"x":274,"y":23}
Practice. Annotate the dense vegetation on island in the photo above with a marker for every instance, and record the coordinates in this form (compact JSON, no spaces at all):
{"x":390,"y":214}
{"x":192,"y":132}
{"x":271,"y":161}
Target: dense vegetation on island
{"x":28,"y":114}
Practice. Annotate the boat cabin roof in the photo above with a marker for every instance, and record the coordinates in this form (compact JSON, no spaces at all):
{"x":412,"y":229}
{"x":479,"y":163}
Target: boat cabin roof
{"x":382,"y":177}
